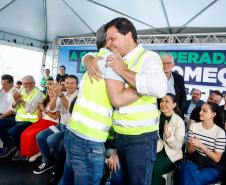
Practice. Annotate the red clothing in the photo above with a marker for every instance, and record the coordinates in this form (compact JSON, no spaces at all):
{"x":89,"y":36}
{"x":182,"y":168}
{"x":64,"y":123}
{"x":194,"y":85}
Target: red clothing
{"x":29,"y":146}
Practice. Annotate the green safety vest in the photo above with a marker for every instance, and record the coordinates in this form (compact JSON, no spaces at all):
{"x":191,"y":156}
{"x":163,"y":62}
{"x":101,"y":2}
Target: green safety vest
{"x":92,"y":114}
{"x":21,"y":114}
{"x":140,"y":116}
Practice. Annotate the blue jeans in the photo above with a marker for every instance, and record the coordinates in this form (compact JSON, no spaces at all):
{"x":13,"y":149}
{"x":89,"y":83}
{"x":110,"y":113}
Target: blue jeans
{"x":48,"y":143}
{"x":190,"y":173}
{"x":116,"y":178}
{"x":54,"y":139}
{"x":137,"y":154}
{"x":84,"y":161}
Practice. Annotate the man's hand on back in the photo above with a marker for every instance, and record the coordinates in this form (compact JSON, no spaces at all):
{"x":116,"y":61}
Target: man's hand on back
{"x":92,"y":67}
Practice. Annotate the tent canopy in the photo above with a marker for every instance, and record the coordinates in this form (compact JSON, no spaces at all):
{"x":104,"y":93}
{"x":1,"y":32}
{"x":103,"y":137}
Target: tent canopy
{"x":34,"y":22}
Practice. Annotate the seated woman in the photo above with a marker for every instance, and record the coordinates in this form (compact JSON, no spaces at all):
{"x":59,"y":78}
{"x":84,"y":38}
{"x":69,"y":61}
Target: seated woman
{"x":206,"y":144}
{"x":171,"y":138}
{"x":29,"y":145}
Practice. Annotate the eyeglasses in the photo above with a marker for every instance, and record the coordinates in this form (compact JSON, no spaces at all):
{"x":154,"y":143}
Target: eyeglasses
{"x":167,"y":63}
{"x":29,"y":83}
{"x":196,"y":93}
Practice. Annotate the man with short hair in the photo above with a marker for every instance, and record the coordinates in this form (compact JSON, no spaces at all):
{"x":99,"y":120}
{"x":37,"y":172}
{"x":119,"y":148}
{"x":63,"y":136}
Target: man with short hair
{"x":61,"y":74}
{"x":7,"y":96}
{"x":90,"y":123}
{"x":175,"y":82}
{"x":191,"y":104}
{"x":135,"y":124}
{"x":26,"y":114}
{"x":6,"y":100}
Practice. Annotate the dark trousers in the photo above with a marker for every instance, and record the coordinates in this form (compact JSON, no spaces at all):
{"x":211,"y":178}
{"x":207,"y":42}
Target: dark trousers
{"x":137,"y":154}
{"x":16,"y":131}
{"x":163,"y":165}
{"x":6,"y":124}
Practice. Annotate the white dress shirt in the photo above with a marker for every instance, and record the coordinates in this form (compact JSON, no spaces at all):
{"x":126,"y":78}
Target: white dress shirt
{"x":150,"y":79}
{"x":65,"y":114}
{"x":170,"y":85}
{"x":6,"y":100}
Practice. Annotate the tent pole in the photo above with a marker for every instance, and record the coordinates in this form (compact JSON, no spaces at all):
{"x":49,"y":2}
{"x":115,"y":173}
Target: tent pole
{"x":45,"y":48}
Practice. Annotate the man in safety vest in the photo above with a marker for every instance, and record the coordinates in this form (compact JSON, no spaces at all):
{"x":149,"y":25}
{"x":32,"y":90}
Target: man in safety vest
{"x":90,"y":123}
{"x":26,"y":114}
{"x":136,"y":124}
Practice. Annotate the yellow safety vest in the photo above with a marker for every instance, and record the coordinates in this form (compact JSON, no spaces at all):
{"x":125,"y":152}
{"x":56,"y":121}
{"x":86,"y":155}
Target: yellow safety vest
{"x":92,"y":113}
{"x":21,"y":114}
{"x":140,"y":116}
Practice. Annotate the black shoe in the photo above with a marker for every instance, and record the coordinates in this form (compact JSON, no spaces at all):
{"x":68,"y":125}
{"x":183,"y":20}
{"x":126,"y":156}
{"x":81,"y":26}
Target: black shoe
{"x":7,"y":151}
{"x":43,"y":168}
{"x":16,"y":156}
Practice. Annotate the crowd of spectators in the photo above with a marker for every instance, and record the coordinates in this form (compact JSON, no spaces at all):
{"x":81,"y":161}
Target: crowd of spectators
{"x":147,"y":128}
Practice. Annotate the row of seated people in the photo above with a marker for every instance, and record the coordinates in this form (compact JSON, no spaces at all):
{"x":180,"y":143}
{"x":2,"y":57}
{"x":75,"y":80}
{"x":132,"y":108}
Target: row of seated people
{"x":9,"y":95}
{"x":171,"y":132}
{"x":192,"y":107}
{"x":34,"y":112}
{"x":171,"y":139}
{"x":203,"y":161}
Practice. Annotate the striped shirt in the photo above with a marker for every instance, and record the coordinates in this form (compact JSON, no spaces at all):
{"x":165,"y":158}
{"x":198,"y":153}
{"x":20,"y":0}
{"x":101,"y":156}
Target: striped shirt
{"x":213,"y":138}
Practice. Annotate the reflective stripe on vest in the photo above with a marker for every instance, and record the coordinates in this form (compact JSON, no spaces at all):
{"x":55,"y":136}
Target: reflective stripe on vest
{"x":91,"y":123}
{"x":92,"y":112}
{"x":133,"y":109}
{"x":140,"y":116}
{"x":94,"y":106}
{"x":23,"y":115}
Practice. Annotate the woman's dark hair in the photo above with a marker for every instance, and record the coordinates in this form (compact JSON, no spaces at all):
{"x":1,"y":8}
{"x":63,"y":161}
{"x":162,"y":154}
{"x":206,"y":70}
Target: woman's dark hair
{"x":18,"y":82}
{"x":46,"y":100}
{"x":173,"y":98}
{"x":219,"y":118}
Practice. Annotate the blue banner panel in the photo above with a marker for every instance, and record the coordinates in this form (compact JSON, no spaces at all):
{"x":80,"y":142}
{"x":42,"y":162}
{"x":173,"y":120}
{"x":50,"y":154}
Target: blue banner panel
{"x":203,"y":66}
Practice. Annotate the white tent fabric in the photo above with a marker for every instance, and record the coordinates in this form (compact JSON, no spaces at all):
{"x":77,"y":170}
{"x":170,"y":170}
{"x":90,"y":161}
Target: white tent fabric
{"x":30,"y":21}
